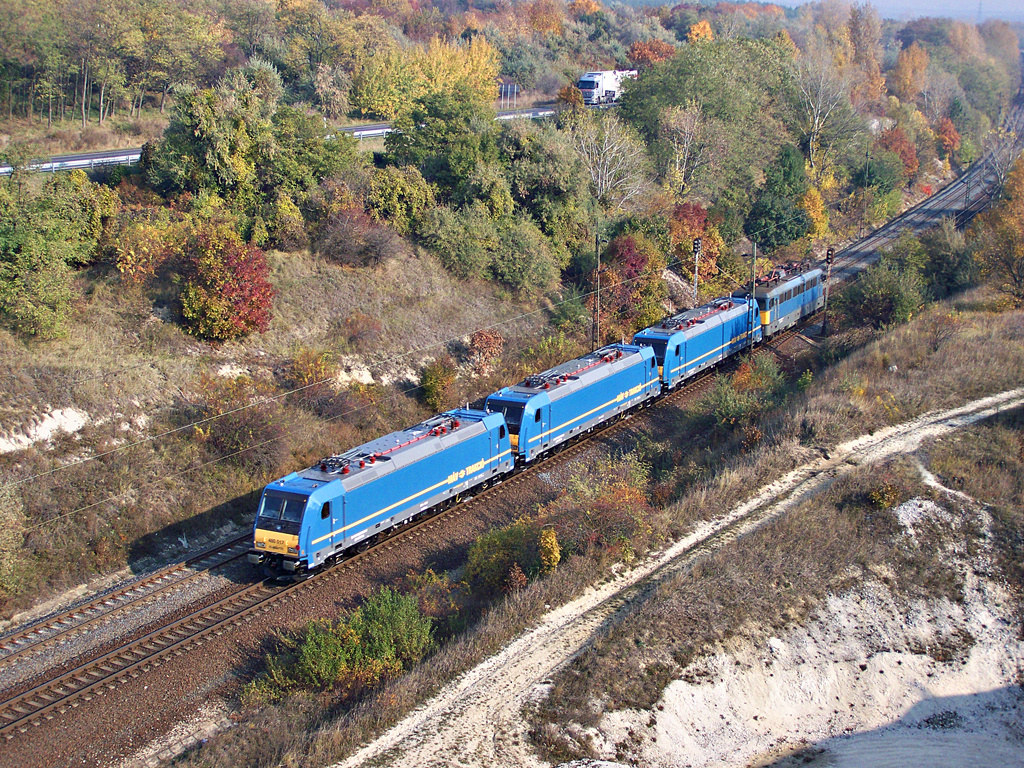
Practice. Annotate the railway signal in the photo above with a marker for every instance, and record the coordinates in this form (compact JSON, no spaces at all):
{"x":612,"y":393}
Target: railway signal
{"x":696,"y":263}
{"x":829,"y":256}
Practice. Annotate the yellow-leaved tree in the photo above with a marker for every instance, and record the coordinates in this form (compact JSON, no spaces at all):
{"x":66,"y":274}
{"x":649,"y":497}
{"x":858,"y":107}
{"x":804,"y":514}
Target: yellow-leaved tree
{"x":700,"y":31}
{"x":442,"y":68}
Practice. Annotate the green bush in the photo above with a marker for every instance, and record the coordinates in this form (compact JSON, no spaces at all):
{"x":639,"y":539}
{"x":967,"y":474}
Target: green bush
{"x":883,"y":296}
{"x":465,"y":241}
{"x":494,"y":555}
{"x":524,"y":262}
{"x":383,"y":637}
{"x":438,"y":379}
{"x":399,"y":196}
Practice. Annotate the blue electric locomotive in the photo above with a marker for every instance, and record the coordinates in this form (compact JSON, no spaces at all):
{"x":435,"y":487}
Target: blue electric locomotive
{"x":691,"y":341}
{"x":549,"y":408}
{"x":785,"y":298}
{"x":307,"y":517}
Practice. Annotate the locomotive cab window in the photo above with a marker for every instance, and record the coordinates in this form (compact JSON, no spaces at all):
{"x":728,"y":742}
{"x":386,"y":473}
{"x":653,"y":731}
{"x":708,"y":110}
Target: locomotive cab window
{"x":325,"y":510}
{"x":513,"y":413}
{"x":501,"y":431}
{"x":280,"y":506}
{"x":536,"y":417}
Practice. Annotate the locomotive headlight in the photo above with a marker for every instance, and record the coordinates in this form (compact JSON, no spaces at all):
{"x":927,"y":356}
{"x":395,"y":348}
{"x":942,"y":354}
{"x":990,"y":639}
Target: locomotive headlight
{"x":293,"y":550}
{"x":261,"y":544}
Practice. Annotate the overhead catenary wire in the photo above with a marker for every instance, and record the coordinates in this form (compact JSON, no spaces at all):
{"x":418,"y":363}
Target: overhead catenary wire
{"x":275,"y":398}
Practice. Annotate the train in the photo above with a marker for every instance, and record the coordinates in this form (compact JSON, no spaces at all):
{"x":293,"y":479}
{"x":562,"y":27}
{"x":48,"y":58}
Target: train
{"x":347,"y":501}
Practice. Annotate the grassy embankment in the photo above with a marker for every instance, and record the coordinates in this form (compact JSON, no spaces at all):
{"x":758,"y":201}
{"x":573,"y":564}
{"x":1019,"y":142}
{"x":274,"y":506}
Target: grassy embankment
{"x":142,"y":382}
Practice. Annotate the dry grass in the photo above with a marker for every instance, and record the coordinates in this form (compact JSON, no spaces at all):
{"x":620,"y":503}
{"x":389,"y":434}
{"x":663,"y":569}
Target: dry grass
{"x":70,"y":137}
{"x":137,"y":375}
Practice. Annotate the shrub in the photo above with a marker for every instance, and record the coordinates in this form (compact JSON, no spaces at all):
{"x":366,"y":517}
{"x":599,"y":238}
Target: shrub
{"x":883,"y":296}
{"x":12,"y":540}
{"x":380,"y":639}
{"x":311,"y":372}
{"x":550,"y":551}
{"x":485,"y":347}
{"x":287,"y":227}
{"x":464,"y":242}
{"x":226,"y":294}
{"x":241,"y":423}
{"x":399,"y":196}
{"x":524,"y":262}
{"x":605,"y":505}
{"x":351,"y":238}
{"x":140,"y":248}
{"x":495,"y":554}
{"x":437,"y":381}
{"x":359,"y":330}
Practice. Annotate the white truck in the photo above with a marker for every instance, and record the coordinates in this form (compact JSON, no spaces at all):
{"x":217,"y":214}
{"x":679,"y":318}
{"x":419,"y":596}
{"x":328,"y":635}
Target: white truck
{"x":603,"y":87}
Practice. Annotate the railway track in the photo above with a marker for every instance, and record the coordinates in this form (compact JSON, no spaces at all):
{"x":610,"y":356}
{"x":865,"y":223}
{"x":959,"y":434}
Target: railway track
{"x":41,"y":634}
{"x":68,"y":690}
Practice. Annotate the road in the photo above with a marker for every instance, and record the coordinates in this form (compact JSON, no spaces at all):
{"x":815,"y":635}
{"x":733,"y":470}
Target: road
{"x":90,"y":160}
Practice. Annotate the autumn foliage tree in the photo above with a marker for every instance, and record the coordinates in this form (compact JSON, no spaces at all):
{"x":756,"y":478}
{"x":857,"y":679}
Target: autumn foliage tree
{"x":948,"y":136}
{"x":700,"y":31}
{"x":908,"y":74}
{"x":226,"y":293}
{"x":896,"y":141}
{"x":647,"y":53}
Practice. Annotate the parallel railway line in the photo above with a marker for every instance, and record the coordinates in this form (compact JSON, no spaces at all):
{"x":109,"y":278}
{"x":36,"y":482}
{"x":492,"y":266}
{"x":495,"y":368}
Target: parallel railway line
{"x":78,"y":618}
{"x":66,"y":691}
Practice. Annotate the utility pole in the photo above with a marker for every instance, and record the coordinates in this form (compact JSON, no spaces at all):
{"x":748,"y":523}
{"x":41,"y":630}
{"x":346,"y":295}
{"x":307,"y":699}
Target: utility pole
{"x":696,"y":265}
{"x":829,"y":256}
{"x":597,"y":303}
{"x":753,"y":301}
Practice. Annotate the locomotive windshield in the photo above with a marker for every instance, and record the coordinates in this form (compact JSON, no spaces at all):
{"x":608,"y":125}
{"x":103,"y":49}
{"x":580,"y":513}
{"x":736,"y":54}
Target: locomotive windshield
{"x":658,"y":345}
{"x":513,"y":413}
{"x":283,"y":506}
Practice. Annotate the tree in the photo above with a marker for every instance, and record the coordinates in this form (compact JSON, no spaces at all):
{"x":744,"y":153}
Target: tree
{"x":865,"y":30}
{"x":909,"y":72}
{"x":613,"y":157}
{"x":883,"y":296}
{"x":647,"y":53}
{"x":950,"y":267}
{"x":696,"y":147}
{"x":399,"y":196}
{"x":700,"y":32}
{"x":895,"y":140}
{"x":948,"y":136}
{"x":775,"y":221}
{"x":226,"y":292}
{"x":446,"y":135}
{"x":997,"y":237}
{"x":823,"y":99}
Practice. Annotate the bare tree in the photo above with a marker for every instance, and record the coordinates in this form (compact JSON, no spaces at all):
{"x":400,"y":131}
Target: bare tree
{"x":614,"y":158}
{"x":697,"y":145}
{"x":824,"y":94}
{"x":938,"y":91}
{"x":1002,"y":147}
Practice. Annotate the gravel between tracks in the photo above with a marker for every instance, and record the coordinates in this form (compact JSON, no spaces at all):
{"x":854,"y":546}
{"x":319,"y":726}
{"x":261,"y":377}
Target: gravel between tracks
{"x":134,"y":724}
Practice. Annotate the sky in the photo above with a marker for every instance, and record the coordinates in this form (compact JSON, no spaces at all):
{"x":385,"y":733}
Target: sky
{"x":902,"y":10}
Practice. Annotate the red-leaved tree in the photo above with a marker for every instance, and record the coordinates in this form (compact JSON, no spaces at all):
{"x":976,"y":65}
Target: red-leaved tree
{"x":896,"y":141}
{"x":226,"y":294}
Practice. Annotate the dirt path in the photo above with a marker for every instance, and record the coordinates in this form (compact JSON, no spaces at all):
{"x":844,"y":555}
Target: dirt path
{"x":476,"y":720}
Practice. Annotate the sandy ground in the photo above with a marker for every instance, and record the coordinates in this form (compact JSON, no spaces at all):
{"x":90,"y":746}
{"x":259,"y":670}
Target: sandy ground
{"x":849,"y":686}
